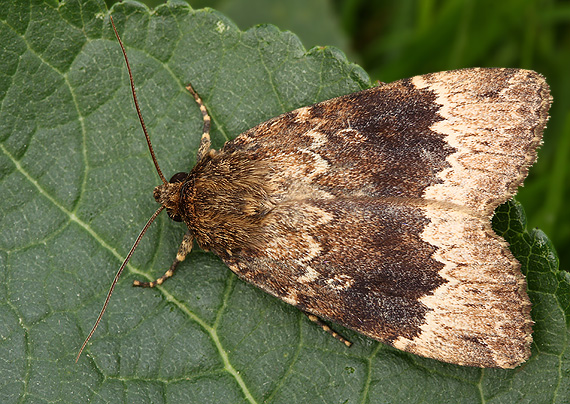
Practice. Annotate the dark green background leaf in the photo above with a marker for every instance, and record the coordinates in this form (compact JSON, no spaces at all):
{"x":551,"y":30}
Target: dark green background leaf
{"x":76,"y":183}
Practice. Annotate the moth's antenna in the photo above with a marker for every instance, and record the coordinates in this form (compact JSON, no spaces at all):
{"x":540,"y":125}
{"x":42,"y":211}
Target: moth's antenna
{"x":137,"y":103}
{"x":137,"y":241}
{"x":147,"y":225}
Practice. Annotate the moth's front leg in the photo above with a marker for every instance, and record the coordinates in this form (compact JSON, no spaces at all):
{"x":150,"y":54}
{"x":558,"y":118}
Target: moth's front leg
{"x":183,"y":250}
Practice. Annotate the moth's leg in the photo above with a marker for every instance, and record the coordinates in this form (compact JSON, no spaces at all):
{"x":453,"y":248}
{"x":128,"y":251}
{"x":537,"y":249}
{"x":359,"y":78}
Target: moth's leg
{"x":326,"y":328}
{"x":183,"y":250}
{"x":205,"y":140}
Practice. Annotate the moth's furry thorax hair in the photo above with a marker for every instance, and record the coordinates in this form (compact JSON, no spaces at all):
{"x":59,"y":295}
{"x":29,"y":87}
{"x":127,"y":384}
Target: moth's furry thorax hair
{"x":223,"y":201}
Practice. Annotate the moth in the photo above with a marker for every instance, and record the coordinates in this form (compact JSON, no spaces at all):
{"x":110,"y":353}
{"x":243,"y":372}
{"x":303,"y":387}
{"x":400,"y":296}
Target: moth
{"x":372,"y":210}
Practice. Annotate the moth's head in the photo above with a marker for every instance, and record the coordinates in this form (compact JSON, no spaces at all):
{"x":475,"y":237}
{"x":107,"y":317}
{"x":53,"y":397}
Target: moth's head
{"x":168,"y":195}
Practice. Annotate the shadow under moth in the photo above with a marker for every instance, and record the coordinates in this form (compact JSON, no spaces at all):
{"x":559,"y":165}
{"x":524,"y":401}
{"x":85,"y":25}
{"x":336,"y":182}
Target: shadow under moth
{"x":372,"y":210}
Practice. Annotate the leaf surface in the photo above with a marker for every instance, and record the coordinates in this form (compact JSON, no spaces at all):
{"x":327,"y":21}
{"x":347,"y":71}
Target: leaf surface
{"x":76,"y":182}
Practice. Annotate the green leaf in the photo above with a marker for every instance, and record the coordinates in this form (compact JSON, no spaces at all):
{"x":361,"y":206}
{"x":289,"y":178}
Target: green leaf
{"x":76,"y":182}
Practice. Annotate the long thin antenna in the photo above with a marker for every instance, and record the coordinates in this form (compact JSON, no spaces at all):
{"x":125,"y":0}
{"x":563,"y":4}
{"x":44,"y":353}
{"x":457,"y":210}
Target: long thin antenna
{"x":137,"y":104}
{"x":141,"y":234}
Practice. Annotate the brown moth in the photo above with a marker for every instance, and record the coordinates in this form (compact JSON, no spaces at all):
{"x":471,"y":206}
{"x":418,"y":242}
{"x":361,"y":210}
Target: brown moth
{"x":373,"y":210}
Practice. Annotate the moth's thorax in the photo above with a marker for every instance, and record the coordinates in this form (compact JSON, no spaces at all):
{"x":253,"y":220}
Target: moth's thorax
{"x":223,"y":202}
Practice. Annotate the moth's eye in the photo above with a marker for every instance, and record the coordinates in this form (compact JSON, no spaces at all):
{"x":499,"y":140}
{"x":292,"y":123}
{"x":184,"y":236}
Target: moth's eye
{"x":178,"y":177}
{"x":173,"y":216}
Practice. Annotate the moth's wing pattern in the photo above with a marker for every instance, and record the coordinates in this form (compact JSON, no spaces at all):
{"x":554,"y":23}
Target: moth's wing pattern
{"x":382,"y":208}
